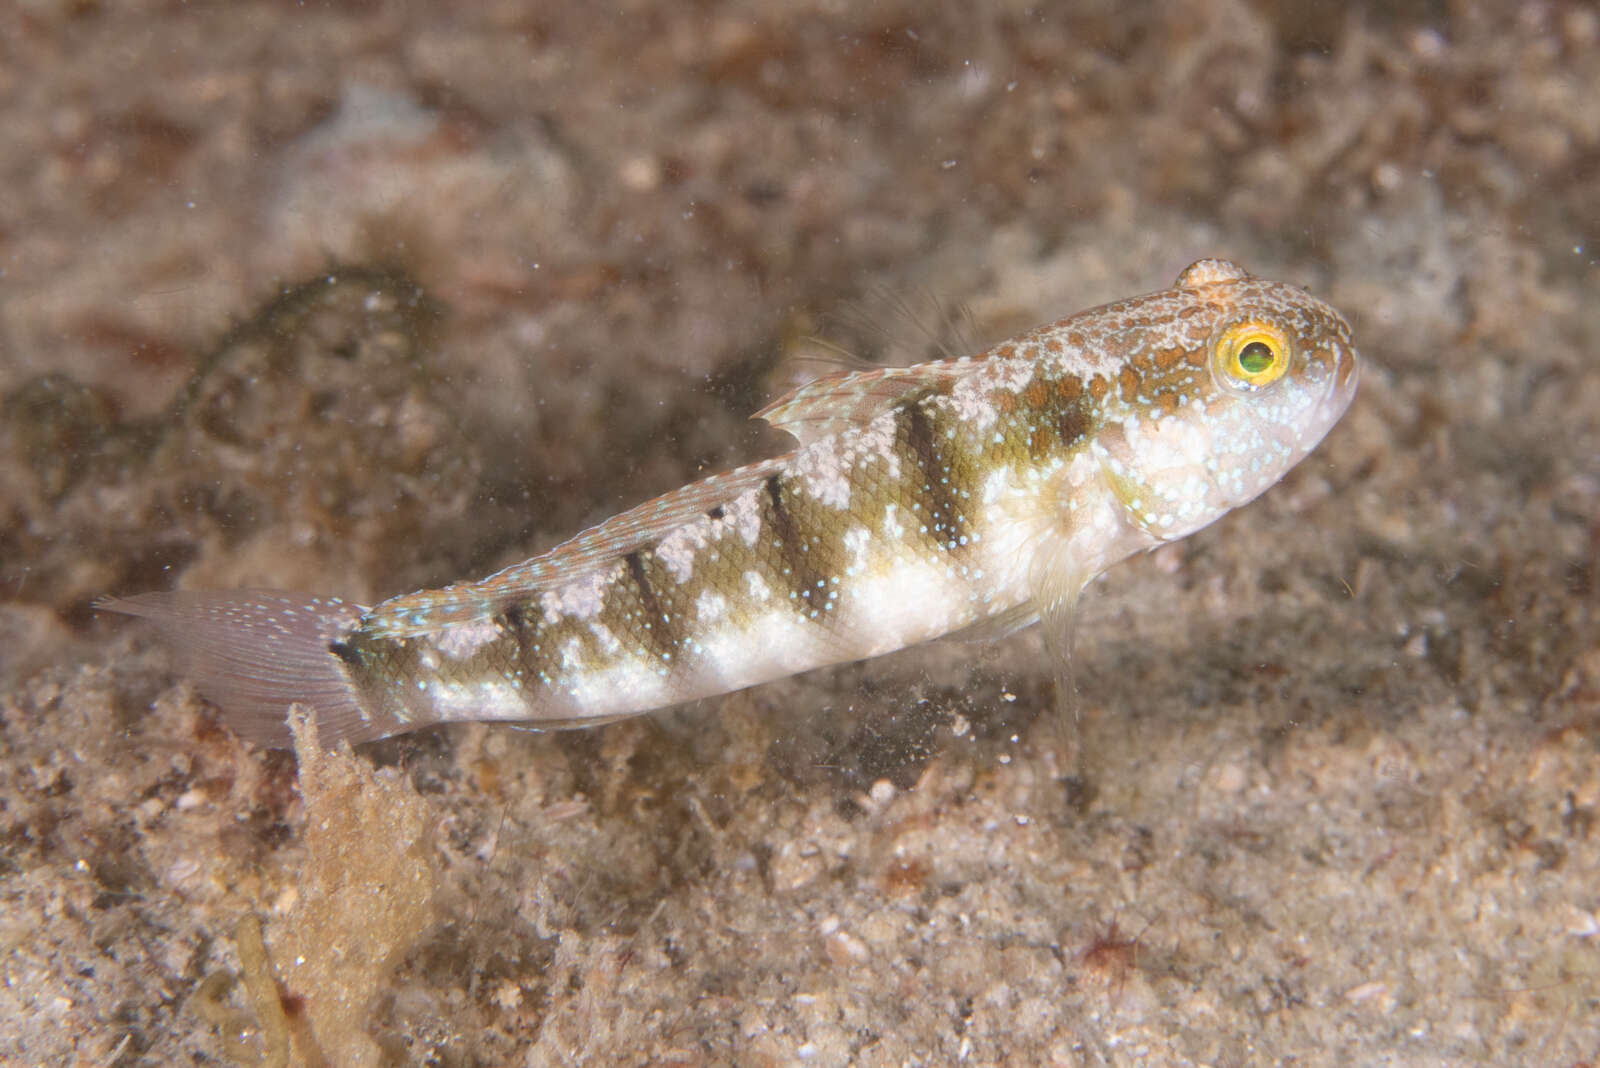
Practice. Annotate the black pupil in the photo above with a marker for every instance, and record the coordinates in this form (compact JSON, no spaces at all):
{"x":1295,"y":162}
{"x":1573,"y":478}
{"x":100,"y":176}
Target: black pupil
{"x":1255,"y":357}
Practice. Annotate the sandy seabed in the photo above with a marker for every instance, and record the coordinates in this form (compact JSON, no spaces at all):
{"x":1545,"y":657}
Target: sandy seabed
{"x":359,"y":298}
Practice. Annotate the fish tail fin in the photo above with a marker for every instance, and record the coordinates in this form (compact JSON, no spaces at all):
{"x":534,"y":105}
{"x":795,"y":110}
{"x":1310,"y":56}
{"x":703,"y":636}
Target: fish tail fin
{"x":256,"y":652}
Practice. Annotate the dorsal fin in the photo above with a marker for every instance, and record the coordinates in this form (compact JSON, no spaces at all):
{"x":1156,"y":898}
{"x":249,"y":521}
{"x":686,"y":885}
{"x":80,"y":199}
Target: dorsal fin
{"x":596,"y":548}
{"x":849,"y":399}
{"x":1210,"y":272}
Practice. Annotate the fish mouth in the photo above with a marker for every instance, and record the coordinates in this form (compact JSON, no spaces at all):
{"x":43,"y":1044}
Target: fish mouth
{"x":1341,"y":389}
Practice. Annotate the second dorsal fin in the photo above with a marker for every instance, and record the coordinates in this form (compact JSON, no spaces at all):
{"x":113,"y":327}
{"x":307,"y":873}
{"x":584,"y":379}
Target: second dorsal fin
{"x":848,"y":399}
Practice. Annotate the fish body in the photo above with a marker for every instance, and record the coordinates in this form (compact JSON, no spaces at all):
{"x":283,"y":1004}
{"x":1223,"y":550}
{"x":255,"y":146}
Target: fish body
{"x":970,"y":495}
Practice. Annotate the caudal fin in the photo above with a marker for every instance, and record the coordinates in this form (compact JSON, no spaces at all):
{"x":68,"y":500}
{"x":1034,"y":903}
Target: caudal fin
{"x":256,"y":652}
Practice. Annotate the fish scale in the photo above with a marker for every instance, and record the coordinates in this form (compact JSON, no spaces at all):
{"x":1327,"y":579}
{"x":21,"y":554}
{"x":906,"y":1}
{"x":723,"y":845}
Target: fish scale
{"x":970,"y":495}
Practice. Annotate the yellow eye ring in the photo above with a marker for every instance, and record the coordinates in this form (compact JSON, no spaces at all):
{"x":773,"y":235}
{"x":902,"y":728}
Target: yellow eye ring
{"x":1252,"y":354}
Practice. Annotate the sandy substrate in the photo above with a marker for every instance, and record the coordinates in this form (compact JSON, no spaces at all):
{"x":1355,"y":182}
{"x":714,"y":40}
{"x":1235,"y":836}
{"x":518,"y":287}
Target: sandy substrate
{"x":361,"y":298}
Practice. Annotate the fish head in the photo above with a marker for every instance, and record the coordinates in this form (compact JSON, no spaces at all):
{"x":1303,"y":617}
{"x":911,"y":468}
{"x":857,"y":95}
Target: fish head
{"x":1246,"y":388}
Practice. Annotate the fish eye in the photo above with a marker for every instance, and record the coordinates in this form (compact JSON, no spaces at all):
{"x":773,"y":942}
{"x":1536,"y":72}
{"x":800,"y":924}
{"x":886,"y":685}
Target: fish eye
{"x":1252,"y":354}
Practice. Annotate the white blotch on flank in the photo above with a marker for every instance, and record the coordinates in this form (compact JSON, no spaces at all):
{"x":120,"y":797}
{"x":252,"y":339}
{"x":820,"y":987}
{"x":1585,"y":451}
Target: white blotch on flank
{"x":889,"y":608}
{"x":876,"y":441}
{"x":857,"y":540}
{"x":823,"y":473}
{"x":485,"y":699}
{"x":582,"y":598}
{"x":628,"y":684}
{"x":677,"y":550}
{"x":823,"y":468}
{"x":972,"y":399}
{"x":892,"y":527}
{"x":605,"y":639}
{"x":461,"y":640}
{"x":996,"y":486}
{"x":710,"y":607}
{"x":759,"y":590}
{"x":767,"y":646}
{"x":743,"y":515}
{"x":971,"y":404}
